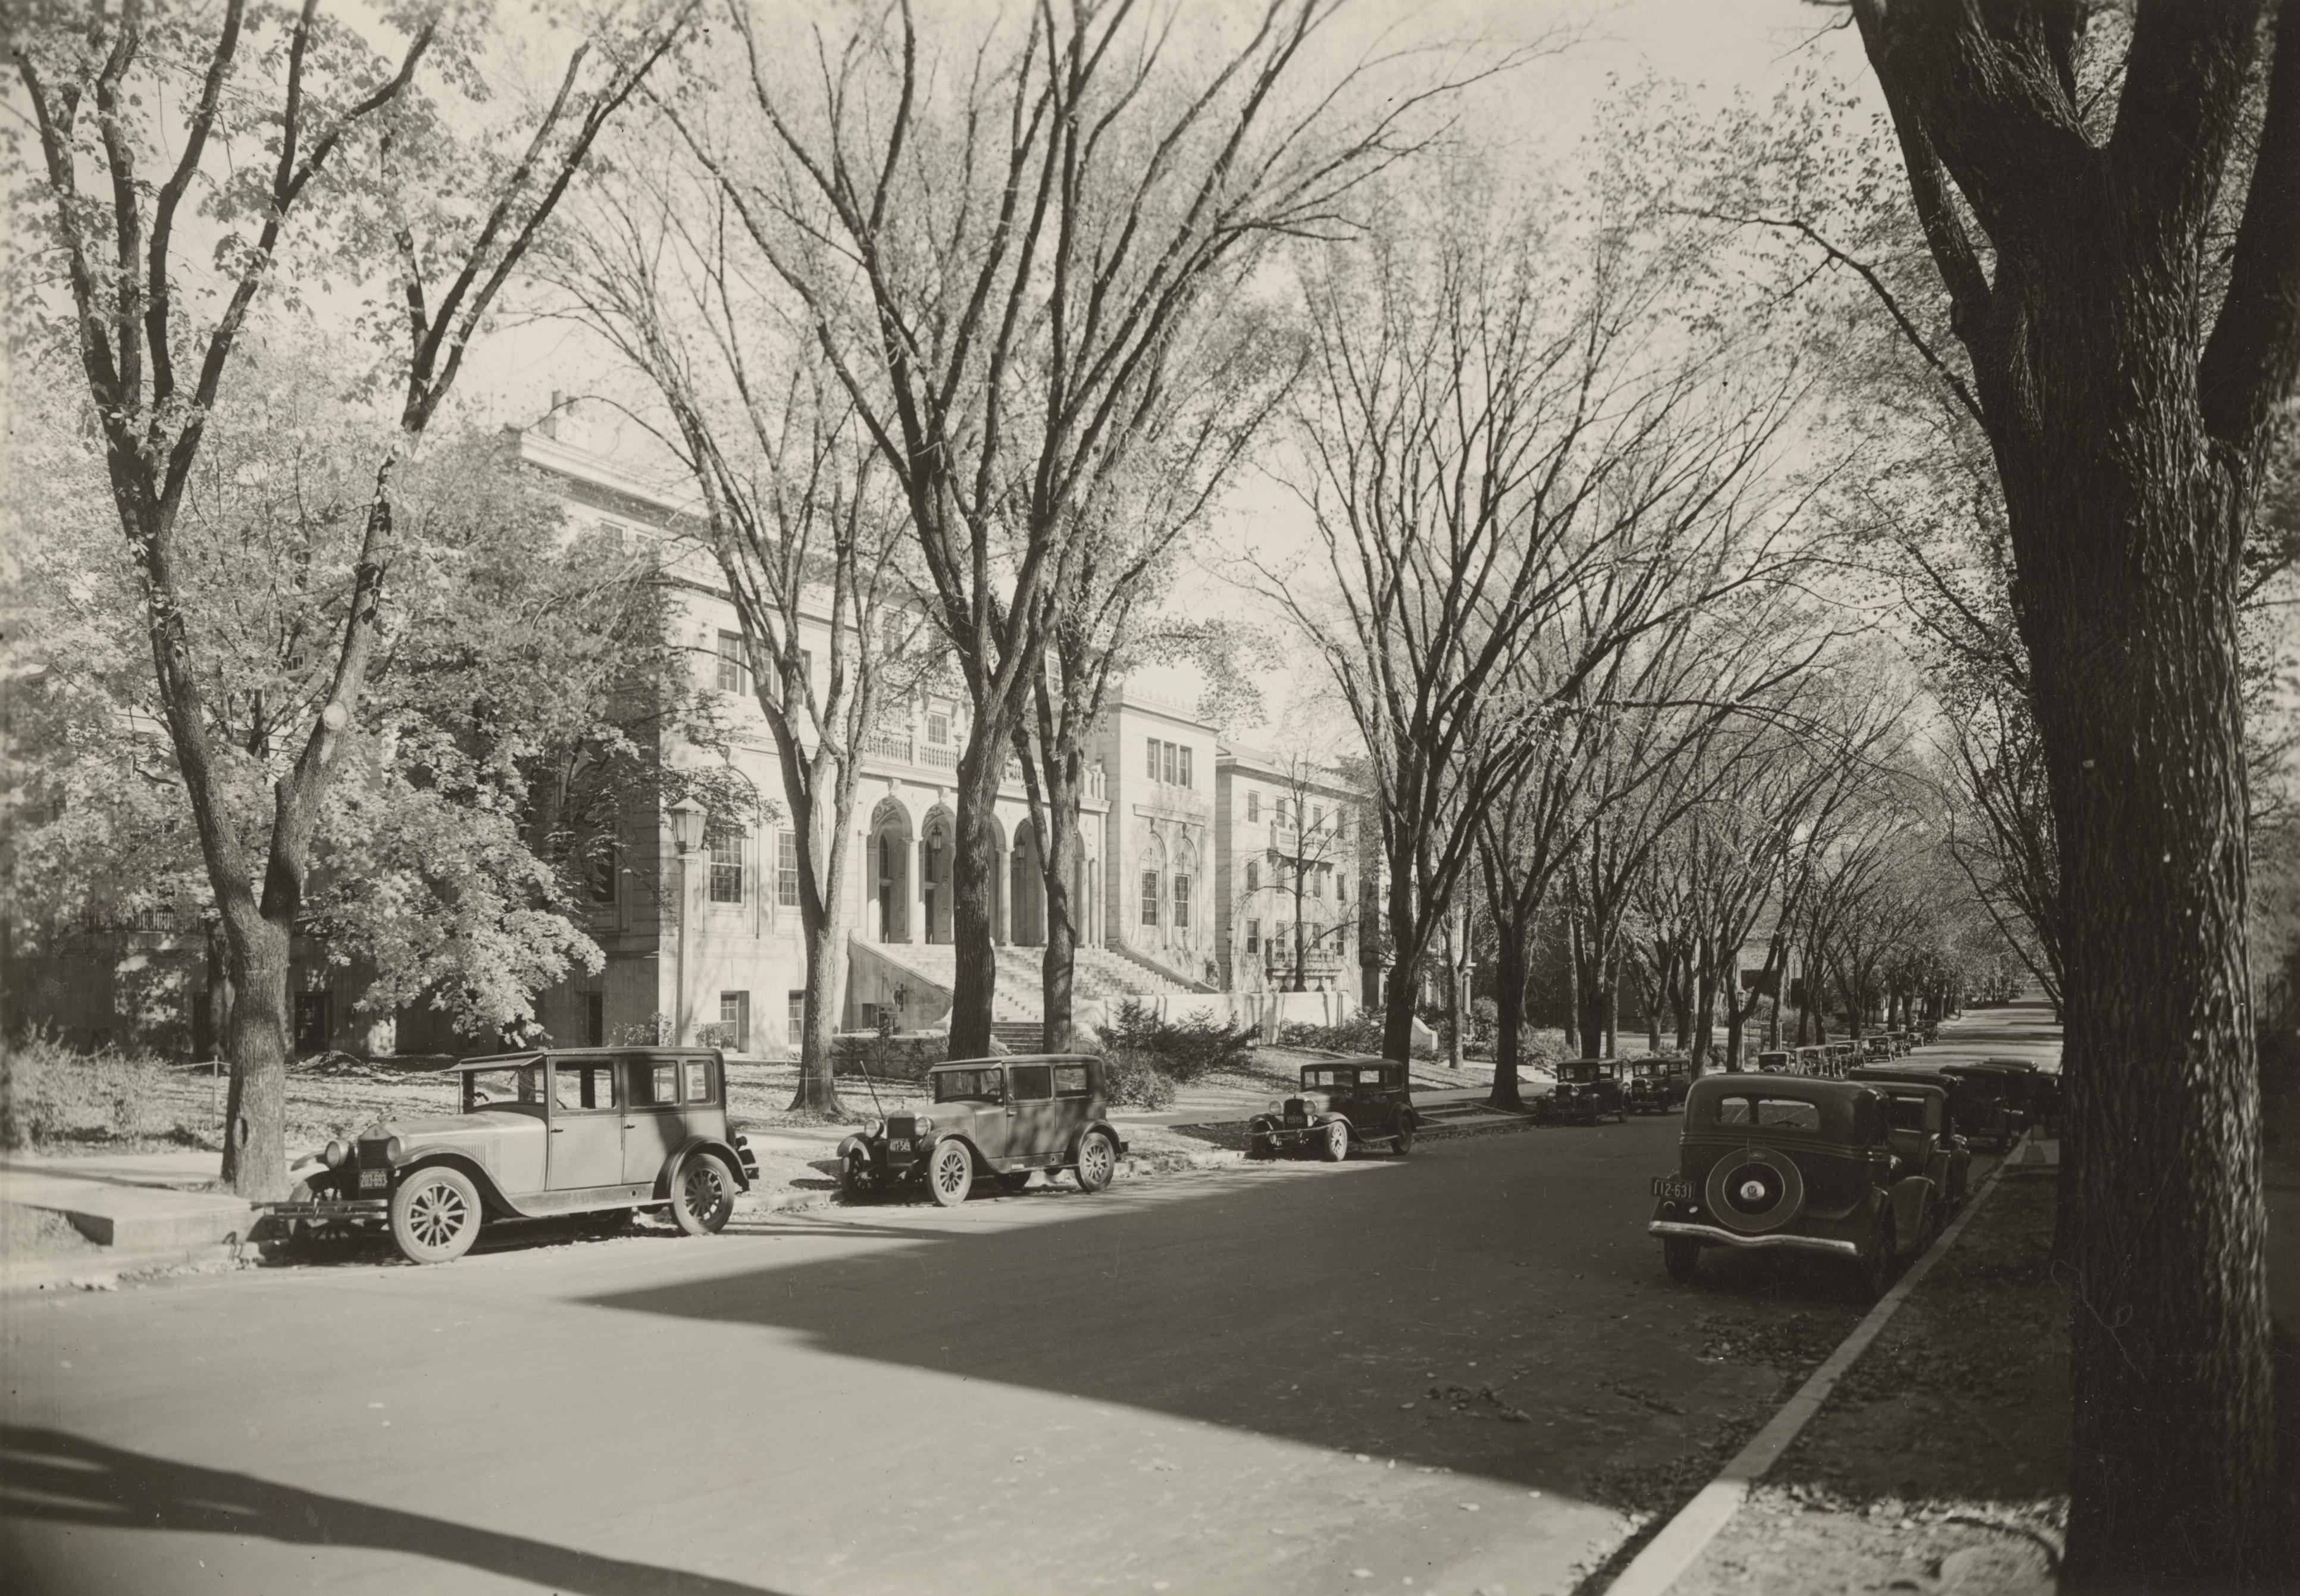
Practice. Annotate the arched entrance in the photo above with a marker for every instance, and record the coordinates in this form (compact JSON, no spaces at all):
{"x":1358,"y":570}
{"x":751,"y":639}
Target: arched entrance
{"x":890,"y":871}
{"x":935,"y":859}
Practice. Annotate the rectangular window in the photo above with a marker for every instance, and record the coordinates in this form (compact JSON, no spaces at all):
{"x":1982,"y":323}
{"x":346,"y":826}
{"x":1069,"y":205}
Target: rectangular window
{"x":1278,"y":940}
{"x":595,"y":1019}
{"x":787,"y":869}
{"x":1186,"y":764}
{"x":732,"y":676}
{"x":654,"y":1085}
{"x":1318,"y":882}
{"x":1033,"y":1083}
{"x":1252,"y":876}
{"x":1254,"y":936}
{"x":735,"y":1015}
{"x":1070,"y":1081}
{"x":938,"y":729}
{"x":1149,"y":897}
{"x":1182,"y":903}
{"x":1341,"y":889}
{"x":795,"y":1003}
{"x":603,"y":870}
{"x":1168,"y":754}
{"x":870,"y":1017}
{"x":1253,"y":806}
{"x":698,"y":1080}
{"x":726,"y":869}
{"x":1152,"y":745}
{"x":584,"y":1085}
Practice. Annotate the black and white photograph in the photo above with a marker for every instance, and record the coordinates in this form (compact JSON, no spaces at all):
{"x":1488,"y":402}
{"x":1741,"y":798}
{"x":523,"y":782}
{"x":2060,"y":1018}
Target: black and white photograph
{"x":1168,"y":797}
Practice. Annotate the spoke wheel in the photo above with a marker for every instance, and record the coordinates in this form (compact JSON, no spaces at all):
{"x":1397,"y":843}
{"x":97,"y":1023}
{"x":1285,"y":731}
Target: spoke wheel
{"x":857,"y":1181}
{"x":1336,"y":1147}
{"x":1404,"y":1136}
{"x":1098,"y":1162}
{"x":705,"y":1198}
{"x":951,"y":1177}
{"x":435,"y":1215}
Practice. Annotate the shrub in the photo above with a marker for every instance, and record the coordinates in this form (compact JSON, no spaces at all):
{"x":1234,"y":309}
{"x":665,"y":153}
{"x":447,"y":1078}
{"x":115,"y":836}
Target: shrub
{"x":885,"y":1057}
{"x":49,"y":1093}
{"x":1184,"y":1050}
{"x":1358,"y":1034}
{"x":1136,"y":1080}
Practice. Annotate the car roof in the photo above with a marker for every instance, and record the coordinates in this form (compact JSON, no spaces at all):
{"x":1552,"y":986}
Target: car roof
{"x":1802,"y":1087}
{"x":1016,"y":1058}
{"x":535,"y":1055}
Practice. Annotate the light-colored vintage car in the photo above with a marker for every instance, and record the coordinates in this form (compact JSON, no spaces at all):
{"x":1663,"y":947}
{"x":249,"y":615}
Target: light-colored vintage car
{"x":1001,"y":1117}
{"x":606,"y":1131}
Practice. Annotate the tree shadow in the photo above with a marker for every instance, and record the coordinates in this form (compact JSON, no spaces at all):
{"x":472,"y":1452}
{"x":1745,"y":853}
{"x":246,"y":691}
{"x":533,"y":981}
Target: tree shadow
{"x":49,"y":1478}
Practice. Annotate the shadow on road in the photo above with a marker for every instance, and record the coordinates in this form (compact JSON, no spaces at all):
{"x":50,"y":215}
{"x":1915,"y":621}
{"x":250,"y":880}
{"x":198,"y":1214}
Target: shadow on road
{"x":50,"y":1478}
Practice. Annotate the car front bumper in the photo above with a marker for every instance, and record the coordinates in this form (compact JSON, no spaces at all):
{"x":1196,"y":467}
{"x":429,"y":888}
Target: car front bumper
{"x":1717,"y":1235}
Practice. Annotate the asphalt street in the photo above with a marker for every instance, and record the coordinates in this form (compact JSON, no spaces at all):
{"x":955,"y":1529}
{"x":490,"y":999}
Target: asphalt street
{"x":1463,"y":1370}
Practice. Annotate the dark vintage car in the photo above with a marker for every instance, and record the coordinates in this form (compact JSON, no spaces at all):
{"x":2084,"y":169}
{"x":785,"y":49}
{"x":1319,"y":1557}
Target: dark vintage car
{"x":1586,"y":1089}
{"x":1813,"y":1061}
{"x":1658,"y":1085}
{"x":1354,"y":1103}
{"x":1877,"y":1048}
{"x":1784,"y":1163}
{"x":1002,"y":1118}
{"x":1776,"y":1062}
{"x":1842,"y":1057}
{"x":603,"y":1130}
{"x":1988,"y":1102}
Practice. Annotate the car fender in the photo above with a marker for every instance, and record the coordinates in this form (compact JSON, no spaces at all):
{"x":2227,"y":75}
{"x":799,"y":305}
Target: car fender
{"x":666,"y":1182}
{"x":1911,"y":1196}
{"x":848,"y":1146}
{"x":498,"y":1206}
{"x":1117,"y":1142}
{"x":934,"y":1145}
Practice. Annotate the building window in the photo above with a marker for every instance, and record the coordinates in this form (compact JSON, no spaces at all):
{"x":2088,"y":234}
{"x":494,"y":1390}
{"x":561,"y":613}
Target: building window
{"x":787,"y":868}
{"x":726,"y":869}
{"x":595,"y":1019}
{"x":1186,"y":764}
{"x":1254,"y":936}
{"x":1318,"y":882}
{"x":1278,"y":940}
{"x":1182,"y":903}
{"x":1317,"y":815}
{"x":735,"y":1019}
{"x":1149,"y":897}
{"x":1341,"y":825}
{"x":732,"y":676}
{"x":1252,"y":876}
{"x":1152,"y":745}
{"x":1341,"y":889}
{"x":796,"y":1003}
{"x":1170,"y":755}
{"x":603,"y":870}
{"x":1252,"y":806}
{"x":937,"y":728}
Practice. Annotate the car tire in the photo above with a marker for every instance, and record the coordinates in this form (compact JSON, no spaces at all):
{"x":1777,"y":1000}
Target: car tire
{"x":703,"y":1198}
{"x":857,"y":1181}
{"x":1260,"y":1147}
{"x":1334,"y":1146}
{"x":1404,"y":1140}
{"x":1098,"y":1163}
{"x":1681,"y":1255}
{"x":435,"y":1215}
{"x":1877,"y":1269}
{"x":950,"y":1174}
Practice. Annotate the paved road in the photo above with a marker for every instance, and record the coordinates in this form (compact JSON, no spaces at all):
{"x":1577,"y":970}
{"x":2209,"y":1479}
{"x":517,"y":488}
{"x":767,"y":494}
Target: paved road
{"x":1215,"y":1382}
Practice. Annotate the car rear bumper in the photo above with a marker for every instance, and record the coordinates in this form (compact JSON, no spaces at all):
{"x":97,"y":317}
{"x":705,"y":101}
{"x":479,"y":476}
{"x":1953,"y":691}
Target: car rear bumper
{"x":1717,"y":1235}
{"x":331,"y":1208}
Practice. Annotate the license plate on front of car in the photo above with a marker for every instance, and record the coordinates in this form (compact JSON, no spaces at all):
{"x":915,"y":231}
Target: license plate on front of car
{"x":1672,"y":1186}
{"x":898,"y":1143}
{"x":372,"y":1179}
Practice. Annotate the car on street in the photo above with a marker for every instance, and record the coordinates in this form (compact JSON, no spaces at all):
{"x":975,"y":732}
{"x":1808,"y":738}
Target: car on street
{"x":1586,"y":1089}
{"x":1779,"y":1163}
{"x":1924,"y":1134}
{"x":1350,"y":1103}
{"x":1658,"y":1085}
{"x":1842,"y":1057}
{"x":1004,"y":1118}
{"x":1988,"y":1102}
{"x":1877,"y":1049}
{"x":554,"y":1131}
{"x":1776,"y":1062}
{"x":1813,"y":1061}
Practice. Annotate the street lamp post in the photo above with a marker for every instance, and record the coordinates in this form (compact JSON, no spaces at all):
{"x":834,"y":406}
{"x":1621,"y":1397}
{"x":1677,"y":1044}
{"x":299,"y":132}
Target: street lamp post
{"x":686,"y":826}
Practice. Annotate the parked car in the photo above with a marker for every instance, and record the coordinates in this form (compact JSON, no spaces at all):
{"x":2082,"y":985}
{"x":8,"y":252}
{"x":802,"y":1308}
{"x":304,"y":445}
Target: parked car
{"x":1923,"y":1120}
{"x":1842,"y":1057}
{"x":1001,"y":1117}
{"x":1340,"y":1106}
{"x":2033,"y":1091}
{"x":1658,"y":1085}
{"x":1780,"y":1163}
{"x":1878,"y":1049}
{"x":1984,"y":1103}
{"x":1902,"y":1040}
{"x":1813,"y":1061}
{"x":1586,"y":1089}
{"x":1779,"y":1061}
{"x":603,"y":1130}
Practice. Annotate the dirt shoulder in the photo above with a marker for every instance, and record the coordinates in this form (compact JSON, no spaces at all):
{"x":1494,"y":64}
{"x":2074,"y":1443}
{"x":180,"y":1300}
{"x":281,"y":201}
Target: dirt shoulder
{"x":1940,"y":1462}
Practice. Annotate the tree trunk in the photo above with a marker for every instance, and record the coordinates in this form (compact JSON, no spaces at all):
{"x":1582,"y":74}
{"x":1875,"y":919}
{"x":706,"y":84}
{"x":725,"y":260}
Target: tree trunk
{"x":1510,"y":939}
{"x":1704,"y":1004}
{"x":256,"y":1108}
{"x":1058,"y":968}
{"x":1572,"y":989}
{"x":825,"y":989}
{"x":211,"y":1041}
{"x":1404,"y":969}
{"x":979,"y":767}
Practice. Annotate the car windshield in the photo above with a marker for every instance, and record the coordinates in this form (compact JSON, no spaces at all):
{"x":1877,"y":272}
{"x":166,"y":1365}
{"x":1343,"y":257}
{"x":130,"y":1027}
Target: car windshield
{"x":505,"y":1086}
{"x":1340,"y":1075}
{"x":966,"y":1086}
{"x":1771,"y":1113}
{"x":1653,"y":1068}
{"x":1578,"y":1072}
{"x":1906,"y":1113}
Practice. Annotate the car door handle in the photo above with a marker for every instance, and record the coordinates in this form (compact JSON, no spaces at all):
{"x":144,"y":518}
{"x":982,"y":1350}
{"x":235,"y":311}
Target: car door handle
{"x":558,"y":1130}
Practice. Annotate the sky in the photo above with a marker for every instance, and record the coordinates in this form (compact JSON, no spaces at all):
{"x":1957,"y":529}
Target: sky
{"x":1531,"y":118}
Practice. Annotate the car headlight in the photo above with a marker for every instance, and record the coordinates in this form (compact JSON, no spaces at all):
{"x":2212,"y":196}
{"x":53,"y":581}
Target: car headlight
{"x":874,"y":1130}
{"x":926,"y":1127}
{"x":1276,"y":1105}
{"x":393,"y":1152}
{"x":337,"y":1155}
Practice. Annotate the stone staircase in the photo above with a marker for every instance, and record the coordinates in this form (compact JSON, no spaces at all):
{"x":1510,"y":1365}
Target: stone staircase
{"x":1016,"y":1010}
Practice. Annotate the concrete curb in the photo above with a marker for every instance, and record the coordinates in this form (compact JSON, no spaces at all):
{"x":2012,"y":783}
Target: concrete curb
{"x":1685,"y":1537}
{"x":84,"y":1271}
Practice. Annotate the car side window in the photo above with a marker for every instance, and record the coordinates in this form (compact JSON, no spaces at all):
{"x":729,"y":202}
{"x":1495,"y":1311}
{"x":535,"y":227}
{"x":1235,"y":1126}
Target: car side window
{"x":653,"y":1084}
{"x":1033,"y":1083}
{"x":1070,"y":1081}
{"x":584,"y":1085}
{"x":698,"y":1080}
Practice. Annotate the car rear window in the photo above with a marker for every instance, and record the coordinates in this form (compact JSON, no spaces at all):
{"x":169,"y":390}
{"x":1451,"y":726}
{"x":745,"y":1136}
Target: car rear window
{"x":1906,"y":1113}
{"x":1033,"y":1083}
{"x":654,"y":1084}
{"x":1771,"y":1113}
{"x":1070,"y":1081}
{"x":698,"y":1080}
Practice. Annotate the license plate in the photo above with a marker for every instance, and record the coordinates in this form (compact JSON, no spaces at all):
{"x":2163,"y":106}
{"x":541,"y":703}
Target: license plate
{"x":1294,"y":1120}
{"x":899,"y":1143}
{"x":371,"y":1179}
{"x":1672,"y":1186}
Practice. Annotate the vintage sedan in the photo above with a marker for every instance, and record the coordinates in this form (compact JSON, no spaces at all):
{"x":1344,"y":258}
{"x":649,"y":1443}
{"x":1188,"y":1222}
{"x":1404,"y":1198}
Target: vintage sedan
{"x":1781,"y":1163}
{"x":1778,"y":1061}
{"x":1877,"y":1048}
{"x":1658,"y":1085}
{"x":1988,"y":1100}
{"x":1586,"y":1089}
{"x":1361,"y":1102}
{"x":1006,"y":1118}
{"x":1813,"y":1061}
{"x":604,"y":1131}
{"x":1842,"y":1057}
